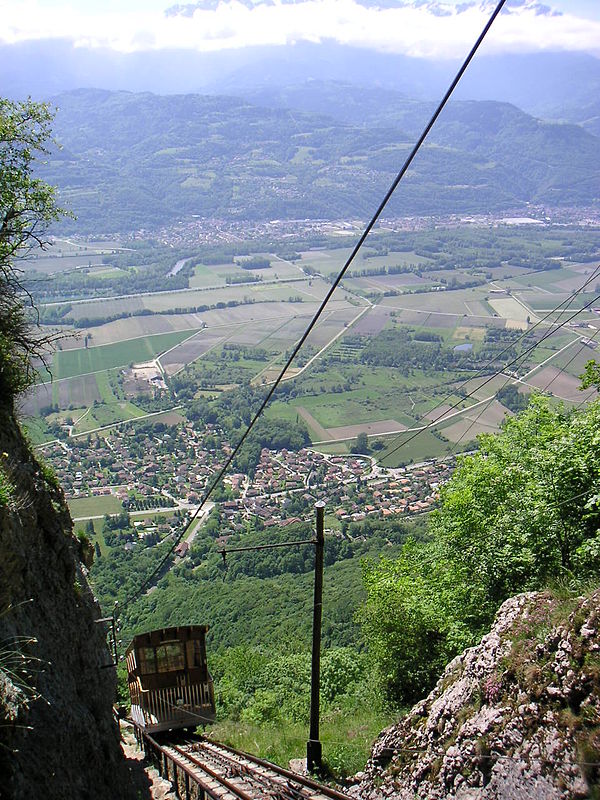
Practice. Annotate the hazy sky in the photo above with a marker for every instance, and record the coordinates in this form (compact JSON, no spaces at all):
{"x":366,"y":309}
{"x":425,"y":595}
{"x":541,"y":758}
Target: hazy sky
{"x":128,"y":25}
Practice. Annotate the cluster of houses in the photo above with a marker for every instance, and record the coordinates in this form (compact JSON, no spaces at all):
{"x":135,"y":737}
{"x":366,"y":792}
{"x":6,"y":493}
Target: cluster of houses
{"x":287,"y":484}
{"x":170,"y":469}
{"x":172,"y":463}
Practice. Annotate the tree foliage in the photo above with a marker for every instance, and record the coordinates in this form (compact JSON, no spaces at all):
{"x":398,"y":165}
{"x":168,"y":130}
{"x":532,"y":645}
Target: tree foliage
{"x":361,"y":445}
{"x":591,"y":376}
{"x":520,"y":514}
{"x":266,"y":687}
{"x":510,"y":397}
{"x":27,"y":207}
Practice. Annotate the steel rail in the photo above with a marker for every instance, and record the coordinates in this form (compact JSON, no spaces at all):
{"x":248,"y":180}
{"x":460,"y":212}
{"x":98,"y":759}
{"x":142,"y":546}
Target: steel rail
{"x":242,"y":767}
{"x":309,"y":783}
{"x":192,"y":773}
{"x":247,"y":767}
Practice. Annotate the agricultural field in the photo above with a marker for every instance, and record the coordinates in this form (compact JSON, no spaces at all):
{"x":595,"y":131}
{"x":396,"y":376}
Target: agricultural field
{"x":97,"y":309}
{"x":207,"y":275}
{"x":133,"y":328}
{"x":384,"y":401}
{"x":485,"y":418}
{"x":63,"y":255}
{"x":330,"y":262}
{"x":562,"y":385}
{"x":516,"y":315}
{"x":373,"y":322}
{"x":384,"y":283}
{"x":247,"y":330}
{"x":573,"y":359}
{"x":197,"y":345}
{"x":455,"y":303}
{"x":482,"y":387}
{"x":253,"y":292}
{"x":86,"y":507}
{"x":211,"y":275}
{"x":35,"y":428}
{"x":406,"y":448}
{"x":84,"y":360}
{"x":78,"y":392}
{"x":50,"y":264}
{"x":544,"y":302}
{"x":107,"y":414}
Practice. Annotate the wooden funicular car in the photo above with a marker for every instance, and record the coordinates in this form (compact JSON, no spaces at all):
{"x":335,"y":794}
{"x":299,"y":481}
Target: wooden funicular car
{"x":169,"y":682}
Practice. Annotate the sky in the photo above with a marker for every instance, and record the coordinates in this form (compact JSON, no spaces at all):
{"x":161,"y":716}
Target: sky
{"x":415,"y":30}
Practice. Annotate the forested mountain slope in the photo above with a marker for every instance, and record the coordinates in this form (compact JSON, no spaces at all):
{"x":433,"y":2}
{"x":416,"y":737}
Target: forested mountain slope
{"x":130,"y":161}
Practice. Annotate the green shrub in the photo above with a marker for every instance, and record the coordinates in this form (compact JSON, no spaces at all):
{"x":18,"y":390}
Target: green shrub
{"x":6,"y":490}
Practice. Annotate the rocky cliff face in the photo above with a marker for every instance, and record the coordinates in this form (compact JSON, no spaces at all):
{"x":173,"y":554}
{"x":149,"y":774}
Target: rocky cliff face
{"x":57,"y":735}
{"x":518,"y":716}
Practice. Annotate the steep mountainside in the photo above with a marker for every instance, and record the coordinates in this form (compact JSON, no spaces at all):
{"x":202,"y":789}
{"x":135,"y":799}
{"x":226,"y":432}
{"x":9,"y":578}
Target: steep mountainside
{"x":57,"y":735}
{"x":131,"y":161}
{"x":517,"y":716}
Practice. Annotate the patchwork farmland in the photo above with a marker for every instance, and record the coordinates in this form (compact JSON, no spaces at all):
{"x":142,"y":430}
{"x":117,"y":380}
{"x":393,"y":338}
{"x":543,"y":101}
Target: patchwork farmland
{"x":245,"y":331}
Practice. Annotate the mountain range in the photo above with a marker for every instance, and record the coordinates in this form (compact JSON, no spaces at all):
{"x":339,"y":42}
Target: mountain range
{"x":142,"y":160}
{"x":552,"y":85}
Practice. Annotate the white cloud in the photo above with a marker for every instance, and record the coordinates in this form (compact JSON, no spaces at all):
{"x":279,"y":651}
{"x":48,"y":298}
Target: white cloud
{"x":413,"y":31}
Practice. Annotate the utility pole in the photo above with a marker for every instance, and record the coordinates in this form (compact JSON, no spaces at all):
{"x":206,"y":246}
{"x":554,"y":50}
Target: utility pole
{"x":314,"y":750}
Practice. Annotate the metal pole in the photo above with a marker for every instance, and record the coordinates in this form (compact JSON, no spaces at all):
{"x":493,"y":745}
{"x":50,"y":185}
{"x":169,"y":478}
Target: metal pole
{"x":313,"y":746}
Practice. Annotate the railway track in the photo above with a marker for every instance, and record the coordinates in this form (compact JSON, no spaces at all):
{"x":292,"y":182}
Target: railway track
{"x":200,"y":768}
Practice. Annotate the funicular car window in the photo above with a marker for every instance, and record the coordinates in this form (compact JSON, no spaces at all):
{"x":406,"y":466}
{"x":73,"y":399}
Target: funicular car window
{"x":195,"y":654}
{"x":147,"y":660}
{"x":169,"y":657}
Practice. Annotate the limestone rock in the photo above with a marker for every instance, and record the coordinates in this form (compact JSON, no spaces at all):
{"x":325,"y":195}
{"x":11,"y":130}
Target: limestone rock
{"x":58,"y":738}
{"x":517,"y":716}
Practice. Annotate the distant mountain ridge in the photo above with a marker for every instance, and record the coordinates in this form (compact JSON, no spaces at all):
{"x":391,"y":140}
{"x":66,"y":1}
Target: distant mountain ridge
{"x":374,"y":105}
{"x":141,"y":160}
{"x":552,"y":85}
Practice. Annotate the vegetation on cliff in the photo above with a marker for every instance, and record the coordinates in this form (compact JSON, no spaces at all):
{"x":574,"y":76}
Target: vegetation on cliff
{"x":27,"y":206}
{"x":516,"y":716}
{"x":521,"y":514}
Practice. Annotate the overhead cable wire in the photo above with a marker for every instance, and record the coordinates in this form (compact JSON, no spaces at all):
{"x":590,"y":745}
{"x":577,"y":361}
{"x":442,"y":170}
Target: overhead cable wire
{"x":526,"y":352}
{"x":484,"y":370}
{"x":410,"y":158}
{"x":509,"y":378}
{"x":553,"y":329}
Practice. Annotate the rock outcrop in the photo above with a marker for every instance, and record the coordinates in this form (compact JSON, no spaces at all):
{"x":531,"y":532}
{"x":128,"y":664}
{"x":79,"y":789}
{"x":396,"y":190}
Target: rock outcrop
{"x":518,"y":716}
{"x":57,"y":735}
